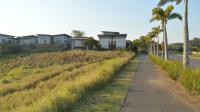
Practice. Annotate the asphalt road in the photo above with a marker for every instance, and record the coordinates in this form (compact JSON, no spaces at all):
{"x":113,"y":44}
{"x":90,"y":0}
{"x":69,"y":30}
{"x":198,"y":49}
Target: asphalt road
{"x":193,"y":62}
{"x":150,"y":91}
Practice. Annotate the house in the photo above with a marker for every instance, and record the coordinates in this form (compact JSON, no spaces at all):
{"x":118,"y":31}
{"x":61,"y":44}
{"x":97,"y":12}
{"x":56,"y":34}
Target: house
{"x":112,"y":40}
{"x":44,"y":39}
{"x":62,"y":39}
{"x":6,"y":38}
{"x":28,"y":40}
{"x":79,"y":42}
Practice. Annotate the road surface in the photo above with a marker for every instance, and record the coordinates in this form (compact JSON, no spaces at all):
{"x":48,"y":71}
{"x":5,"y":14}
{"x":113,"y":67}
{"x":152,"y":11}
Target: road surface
{"x":152,"y":91}
{"x":193,"y":62}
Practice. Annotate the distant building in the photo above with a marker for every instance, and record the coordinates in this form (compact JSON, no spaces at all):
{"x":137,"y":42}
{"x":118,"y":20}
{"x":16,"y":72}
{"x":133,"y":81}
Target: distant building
{"x":79,"y":42}
{"x":62,"y":39}
{"x":6,"y":38}
{"x":44,"y":39}
{"x":128,"y":44}
{"x":112,"y":40}
{"x":28,"y":40}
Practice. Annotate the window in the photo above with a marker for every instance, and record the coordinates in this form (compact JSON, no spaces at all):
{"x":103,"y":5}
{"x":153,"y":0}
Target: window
{"x":44,"y":42}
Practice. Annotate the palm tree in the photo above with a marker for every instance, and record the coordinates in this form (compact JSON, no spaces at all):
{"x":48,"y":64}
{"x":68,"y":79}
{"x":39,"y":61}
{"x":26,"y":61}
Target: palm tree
{"x":152,"y":35}
{"x":164,"y":16}
{"x":148,"y":41}
{"x":186,"y":29}
{"x":157,"y":31}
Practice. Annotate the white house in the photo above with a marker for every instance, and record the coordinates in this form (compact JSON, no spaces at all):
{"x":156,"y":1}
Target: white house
{"x":6,"y":38}
{"x":44,"y":39}
{"x":79,"y":42}
{"x":112,"y":40}
{"x":28,"y":40}
{"x":62,"y":39}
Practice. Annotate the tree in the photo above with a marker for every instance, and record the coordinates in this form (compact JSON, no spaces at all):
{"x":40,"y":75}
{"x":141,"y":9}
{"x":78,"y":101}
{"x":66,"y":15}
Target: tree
{"x":164,"y":16}
{"x":152,"y":35}
{"x":157,"y":31}
{"x":78,"y":33}
{"x":148,"y":41}
{"x":186,"y":49}
{"x":91,"y":43}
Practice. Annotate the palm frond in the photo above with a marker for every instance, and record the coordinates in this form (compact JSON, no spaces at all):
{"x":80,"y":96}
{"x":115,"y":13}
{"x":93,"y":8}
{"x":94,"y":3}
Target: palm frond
{"x":158,"y":11}
{"x":152,"y":19}
{"x":174,"y":16}
{"x":168,"y":10}
{"x":164,"y":2}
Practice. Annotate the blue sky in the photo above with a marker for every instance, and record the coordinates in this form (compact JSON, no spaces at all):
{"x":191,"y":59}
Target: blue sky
{"x":24,"y":17}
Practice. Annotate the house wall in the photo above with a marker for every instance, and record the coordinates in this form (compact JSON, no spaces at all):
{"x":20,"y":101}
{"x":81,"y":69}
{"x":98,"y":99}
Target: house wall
{"x":44,"y":39}
{"x":5,"y":39}
{"x":29,"y":41}
{"x":78,"y":43}
{"x":61,"y":39}
{"x":120,"y":42}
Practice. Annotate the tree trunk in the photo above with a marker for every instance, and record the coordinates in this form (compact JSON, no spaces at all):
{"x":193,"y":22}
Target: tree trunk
{"x":186,"y":51}
{"x":151,"y":48}
{"x":157,"y":46}
{"x":166,"y":42}
{"x":154,"y":46}
{"x":163,"y":53}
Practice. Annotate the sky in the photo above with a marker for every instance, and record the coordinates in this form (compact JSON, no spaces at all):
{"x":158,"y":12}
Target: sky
{"x":26,"y":17}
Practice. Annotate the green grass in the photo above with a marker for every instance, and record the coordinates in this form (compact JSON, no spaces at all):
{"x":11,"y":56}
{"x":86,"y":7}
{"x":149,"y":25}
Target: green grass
{"x":189,"y":77}
{"x":53,"y":82}
{"x":109,"y":98}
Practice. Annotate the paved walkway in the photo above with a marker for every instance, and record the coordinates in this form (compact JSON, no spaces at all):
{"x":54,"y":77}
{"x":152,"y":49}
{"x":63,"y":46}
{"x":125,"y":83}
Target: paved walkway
{"x":150,"y":92}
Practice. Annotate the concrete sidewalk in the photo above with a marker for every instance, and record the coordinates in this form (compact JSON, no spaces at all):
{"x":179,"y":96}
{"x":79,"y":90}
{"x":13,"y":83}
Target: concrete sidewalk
{"x":150,"y":92}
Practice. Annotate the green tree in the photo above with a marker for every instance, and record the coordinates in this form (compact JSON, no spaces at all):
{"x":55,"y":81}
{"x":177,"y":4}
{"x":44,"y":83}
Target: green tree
{"x":186,"y":49}
{"x":78,"y":33}
{"x":164,"y":16}
{"x":91,"y":43}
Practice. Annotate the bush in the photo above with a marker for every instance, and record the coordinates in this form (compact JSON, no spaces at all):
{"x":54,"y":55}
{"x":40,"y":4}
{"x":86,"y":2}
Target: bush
{"x":189,"y":78}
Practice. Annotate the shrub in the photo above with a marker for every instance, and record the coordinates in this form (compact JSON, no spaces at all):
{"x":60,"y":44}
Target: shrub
{"x":190,"y":79}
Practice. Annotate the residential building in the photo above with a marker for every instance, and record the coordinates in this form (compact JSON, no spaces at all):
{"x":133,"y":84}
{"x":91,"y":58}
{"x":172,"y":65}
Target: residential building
{"x":112,"y":40}
{"x":44,"y":39}
{"x":28,"y":40}
{"x":6,"y":38}
{"x":79,"y":42}
{"x":62,"y":39}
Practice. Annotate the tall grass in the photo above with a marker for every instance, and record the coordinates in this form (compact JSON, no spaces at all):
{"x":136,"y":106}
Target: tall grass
{"x":63,"y":84}
{"x":189,"y":77}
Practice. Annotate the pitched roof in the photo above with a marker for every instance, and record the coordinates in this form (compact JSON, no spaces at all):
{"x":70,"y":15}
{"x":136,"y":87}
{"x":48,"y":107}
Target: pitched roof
{"x":9,"y":36}
{"x":80,"y":38}
{"x":62,"y":35}
{"x":105,"y":32}
{"x":27,"y":36}
{"x":112,"y":35}
{"x":43,"y":35}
